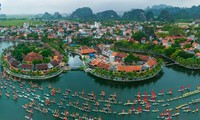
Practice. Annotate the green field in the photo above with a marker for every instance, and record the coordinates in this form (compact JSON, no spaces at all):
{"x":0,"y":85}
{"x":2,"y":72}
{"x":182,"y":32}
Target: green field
{"x":16,"y":22}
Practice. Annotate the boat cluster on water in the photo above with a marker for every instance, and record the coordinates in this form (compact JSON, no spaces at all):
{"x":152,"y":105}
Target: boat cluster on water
{"x":61,"y":103}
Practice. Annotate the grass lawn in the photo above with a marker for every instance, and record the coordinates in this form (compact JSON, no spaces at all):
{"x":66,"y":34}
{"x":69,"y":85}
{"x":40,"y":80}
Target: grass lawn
{"x":16,"y":22}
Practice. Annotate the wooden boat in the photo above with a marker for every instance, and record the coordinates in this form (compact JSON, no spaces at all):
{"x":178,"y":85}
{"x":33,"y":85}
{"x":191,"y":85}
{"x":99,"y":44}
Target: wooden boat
{"x":175,"y":114}
{"x":123,"y":113}
{"x":188,"y":110}
{"x":7,"y":94}
{"x":156,"y":110}
{"x":28,"y":118}
{"x":195,"y":111}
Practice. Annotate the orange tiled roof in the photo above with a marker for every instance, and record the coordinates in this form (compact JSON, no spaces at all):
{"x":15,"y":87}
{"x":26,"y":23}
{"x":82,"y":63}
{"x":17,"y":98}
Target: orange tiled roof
{"x":103,"y":65}
{"x":151,"y":62}
{"x":129,"y":68}
{"x":32,"y":56}
{"x":87,"y":51}
{"x":94,"y":62}
{"x":155,"y":42}
{"x":198,"y":54}
{"x":119,"y":54}
{"x":143,"y":57}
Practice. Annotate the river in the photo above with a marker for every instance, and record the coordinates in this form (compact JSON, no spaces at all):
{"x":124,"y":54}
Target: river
{"x":171,"y":77}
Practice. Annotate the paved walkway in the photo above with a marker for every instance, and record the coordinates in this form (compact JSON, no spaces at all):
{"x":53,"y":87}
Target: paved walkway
{"x":33,"y":77}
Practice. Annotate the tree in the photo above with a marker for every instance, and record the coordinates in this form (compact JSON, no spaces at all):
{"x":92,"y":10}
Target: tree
{"x":169,"y":51}
{"x":139,"y":35}
{"x":176,"y":31}
{"x":36,"y":61}
{"x":33,"y":36}
{"x":46,"y":52}
{"x":130,"y":59}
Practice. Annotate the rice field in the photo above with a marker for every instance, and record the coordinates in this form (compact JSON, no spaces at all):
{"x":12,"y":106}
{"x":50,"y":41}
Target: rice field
{"x":20,"y":22}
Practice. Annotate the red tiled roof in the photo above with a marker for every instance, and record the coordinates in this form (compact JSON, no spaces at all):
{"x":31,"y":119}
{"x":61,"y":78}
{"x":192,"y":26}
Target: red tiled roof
{"x":118,"y":54}
{"x":198,"y":54}
{"x":143,"y":57}
{"x":54,"y":63}
{"x":9,"y":58}
{"x":27,"y":66}
{"x":94,"y":62}
{"x":87,"y":51}
{"x":155,"y":42}
{"x":41,"y":67}
{"x":129,"y":68}
{"x":15,"y":63}
{"x":32,"y":56}
{"x":152,"y":62}
{"x":103,"y":65}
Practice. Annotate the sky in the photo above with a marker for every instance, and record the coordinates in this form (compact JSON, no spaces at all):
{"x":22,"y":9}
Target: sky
{"x":68,"y":6}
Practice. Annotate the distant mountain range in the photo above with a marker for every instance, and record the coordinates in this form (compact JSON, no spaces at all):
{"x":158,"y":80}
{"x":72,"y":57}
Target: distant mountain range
{"x":157,"y":12}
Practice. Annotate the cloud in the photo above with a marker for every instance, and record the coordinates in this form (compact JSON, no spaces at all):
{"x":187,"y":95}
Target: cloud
{"x":68,"y":6}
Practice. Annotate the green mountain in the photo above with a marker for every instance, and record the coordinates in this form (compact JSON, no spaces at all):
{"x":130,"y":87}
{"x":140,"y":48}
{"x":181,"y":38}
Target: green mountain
{"x":149,"y":16}
{"x":47,"y":15}
{"x":161,"y":6}
{"x":82,"y":13}
{"x":135,"y":14}
{"x":107,"y":15}
{"x":165,"y":16}
{"x":57,"y":15}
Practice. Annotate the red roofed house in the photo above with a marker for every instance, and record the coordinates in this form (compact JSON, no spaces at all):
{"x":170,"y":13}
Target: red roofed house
{"x":198,"y":54}
{"x":86,"y":50}
{"x":27,"y":67}
{"x":103,"y":65}
{"x":143,"y":40}
{"x":137,"y":68}
{"x":119,"y":56}
{"x":151,"y":63}
{"x":96,"y":63}
{"x":32,"y":56}
{"x":41,"y":67}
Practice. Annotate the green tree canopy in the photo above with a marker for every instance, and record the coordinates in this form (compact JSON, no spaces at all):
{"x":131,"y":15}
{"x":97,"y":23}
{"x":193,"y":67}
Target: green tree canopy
{"x":139,"y":35}
{"x":130,"y":59}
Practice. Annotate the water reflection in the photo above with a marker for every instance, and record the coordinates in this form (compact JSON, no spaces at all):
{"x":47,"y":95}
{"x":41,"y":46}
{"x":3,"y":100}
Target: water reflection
{"x":74,"y":60}
{"x":180,"y":69}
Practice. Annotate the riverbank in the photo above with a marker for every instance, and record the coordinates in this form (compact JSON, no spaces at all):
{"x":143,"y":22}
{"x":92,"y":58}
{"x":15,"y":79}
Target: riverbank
{"x":27,"y":77}
{"x":124,"y":80}
{"x":153,"y":53}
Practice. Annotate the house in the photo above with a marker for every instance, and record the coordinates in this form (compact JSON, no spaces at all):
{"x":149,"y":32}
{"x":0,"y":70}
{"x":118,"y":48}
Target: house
{"x":142,"y":57}
{"x":86,"y":50}
{"x":14,"y":63}
{"x":198,"y":55}
{"x":41,"y":67}
{"x":99,"y":64}
{"x":143,"y":40}
{"x":103,"y":65}
{"x":166,"y":43}
{"x":136,"y":68}
{"x":119,"y":56}
{"x":107,"y":52}
{"x":54,"y":63}
{"x":27,"y":67}
{"x":9,"y":58}
{"x":32,"y":56}
{"x":196,"y":46}
{"x":190,"y":50}
{"x":151,"y":63}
